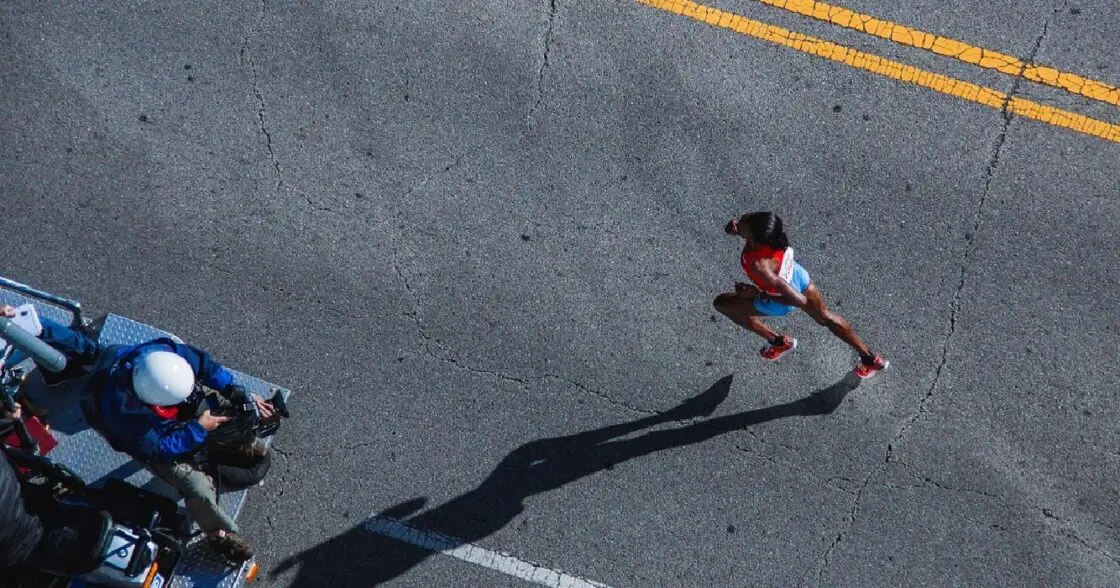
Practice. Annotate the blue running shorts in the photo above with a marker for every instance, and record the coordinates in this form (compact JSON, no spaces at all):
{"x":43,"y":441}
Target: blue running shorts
{"x":800,"y":282}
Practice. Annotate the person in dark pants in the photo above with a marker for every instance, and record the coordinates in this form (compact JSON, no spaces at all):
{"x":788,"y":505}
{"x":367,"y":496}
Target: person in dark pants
{"x":20,"y":531}
{"x":782,"y":285}
{"x":139,"y":393}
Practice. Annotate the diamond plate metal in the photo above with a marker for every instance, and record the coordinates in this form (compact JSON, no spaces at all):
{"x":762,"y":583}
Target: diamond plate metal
{"x":91,"y":457}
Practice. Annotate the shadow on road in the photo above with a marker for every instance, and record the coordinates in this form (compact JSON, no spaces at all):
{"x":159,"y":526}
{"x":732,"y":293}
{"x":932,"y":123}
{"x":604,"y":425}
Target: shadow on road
{"x":362,"y":558}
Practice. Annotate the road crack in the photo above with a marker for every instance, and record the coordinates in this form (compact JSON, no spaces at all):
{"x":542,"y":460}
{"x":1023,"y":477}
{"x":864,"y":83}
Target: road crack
{"x":246,"y":58}
{"x":295,"y":298}
{"x":787,"y":465}
{"x":955,"y":306}
{"x":398,"y":266}
{"x":435,"y":348}
{"x":1093,"y":548}
{"x":546,"y":48}
{"x":826,"y":559}
{"x":432,"y":346}
{"x":977,"y":223}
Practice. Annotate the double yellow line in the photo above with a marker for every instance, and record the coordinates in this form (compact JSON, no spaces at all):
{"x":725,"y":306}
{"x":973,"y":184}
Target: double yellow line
{"x":899,"y":71}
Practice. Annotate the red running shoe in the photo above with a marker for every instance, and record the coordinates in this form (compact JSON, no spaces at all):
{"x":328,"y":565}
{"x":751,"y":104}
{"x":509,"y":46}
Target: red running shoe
{"x":866,"y":370}
{"x":773,"y":352}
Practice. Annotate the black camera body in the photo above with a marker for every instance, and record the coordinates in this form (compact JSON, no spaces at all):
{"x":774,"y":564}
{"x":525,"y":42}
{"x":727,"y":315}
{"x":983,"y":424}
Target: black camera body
{"x":247,"y":414}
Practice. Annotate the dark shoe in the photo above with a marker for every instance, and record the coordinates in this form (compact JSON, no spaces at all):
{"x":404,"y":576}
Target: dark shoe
{"x":231,"y":547}
{"x":72,"y":372}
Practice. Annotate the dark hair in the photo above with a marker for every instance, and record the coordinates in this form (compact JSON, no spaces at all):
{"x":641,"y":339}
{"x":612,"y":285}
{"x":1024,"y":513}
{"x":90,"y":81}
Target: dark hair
{"x":766,"y":229}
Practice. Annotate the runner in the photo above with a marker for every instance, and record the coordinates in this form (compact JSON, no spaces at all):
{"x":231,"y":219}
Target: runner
{"x":780,"y":286}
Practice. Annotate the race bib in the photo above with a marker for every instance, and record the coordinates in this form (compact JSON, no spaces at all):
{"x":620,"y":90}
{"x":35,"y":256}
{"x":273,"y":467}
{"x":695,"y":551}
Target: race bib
{"x":786,"y":271}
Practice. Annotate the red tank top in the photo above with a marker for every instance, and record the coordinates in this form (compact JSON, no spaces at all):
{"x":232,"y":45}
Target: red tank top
{"x":784,"y":257}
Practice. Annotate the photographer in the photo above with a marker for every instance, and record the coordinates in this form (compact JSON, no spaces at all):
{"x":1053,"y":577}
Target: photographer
{"x":162,"y":403}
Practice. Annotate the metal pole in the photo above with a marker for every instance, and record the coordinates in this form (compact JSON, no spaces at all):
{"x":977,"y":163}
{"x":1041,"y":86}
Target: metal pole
{"x":46,"y":356}
{"x":72,"y":305}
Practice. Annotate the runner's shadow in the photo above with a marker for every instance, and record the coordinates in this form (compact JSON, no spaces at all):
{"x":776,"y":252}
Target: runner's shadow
{"x":363,"y":558}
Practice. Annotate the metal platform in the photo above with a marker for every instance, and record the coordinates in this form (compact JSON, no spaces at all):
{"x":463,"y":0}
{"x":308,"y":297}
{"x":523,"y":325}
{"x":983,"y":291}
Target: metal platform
{"x":90,"y":456}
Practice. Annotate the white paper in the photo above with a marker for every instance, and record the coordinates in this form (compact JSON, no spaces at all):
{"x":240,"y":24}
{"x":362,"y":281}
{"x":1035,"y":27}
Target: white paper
{"x":28,"y":319}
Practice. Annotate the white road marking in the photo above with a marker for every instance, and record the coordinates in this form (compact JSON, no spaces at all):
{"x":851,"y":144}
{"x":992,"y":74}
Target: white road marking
{"x":467,"y":552}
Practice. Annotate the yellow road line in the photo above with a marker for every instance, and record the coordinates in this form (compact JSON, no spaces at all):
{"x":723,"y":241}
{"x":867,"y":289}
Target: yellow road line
{"x":985,"y":58}
{"x":891,"y":69}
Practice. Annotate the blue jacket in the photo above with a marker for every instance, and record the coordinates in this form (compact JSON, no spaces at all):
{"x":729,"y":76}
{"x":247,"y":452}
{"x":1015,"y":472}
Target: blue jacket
{"x":132,"y":426}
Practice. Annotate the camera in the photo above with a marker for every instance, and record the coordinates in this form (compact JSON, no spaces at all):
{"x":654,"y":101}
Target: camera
{"x":247,"y":414}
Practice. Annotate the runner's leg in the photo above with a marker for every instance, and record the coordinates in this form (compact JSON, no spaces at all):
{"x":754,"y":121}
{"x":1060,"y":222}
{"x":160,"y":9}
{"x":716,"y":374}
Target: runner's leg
{"x":739,"y":307}
{"x":834,"y":321}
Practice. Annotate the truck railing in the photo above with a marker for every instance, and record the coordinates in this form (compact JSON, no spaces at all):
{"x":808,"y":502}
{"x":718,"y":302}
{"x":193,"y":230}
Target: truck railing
{"x":73,"y":306}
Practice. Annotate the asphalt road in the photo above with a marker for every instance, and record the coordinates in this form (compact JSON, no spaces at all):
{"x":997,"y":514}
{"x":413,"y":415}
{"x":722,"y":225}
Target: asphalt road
{"x":480,"y":240}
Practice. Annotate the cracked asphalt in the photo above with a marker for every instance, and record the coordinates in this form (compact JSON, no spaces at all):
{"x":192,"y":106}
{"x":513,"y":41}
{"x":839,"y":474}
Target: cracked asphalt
{"x":480,"y":240}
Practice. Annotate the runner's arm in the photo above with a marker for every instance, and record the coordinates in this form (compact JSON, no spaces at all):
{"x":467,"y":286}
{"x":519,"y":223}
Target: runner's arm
{"x":787,"y":293}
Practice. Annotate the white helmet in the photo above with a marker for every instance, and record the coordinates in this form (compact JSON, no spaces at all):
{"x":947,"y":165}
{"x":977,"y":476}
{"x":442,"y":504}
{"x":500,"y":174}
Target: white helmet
{"x":162,"y":378}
